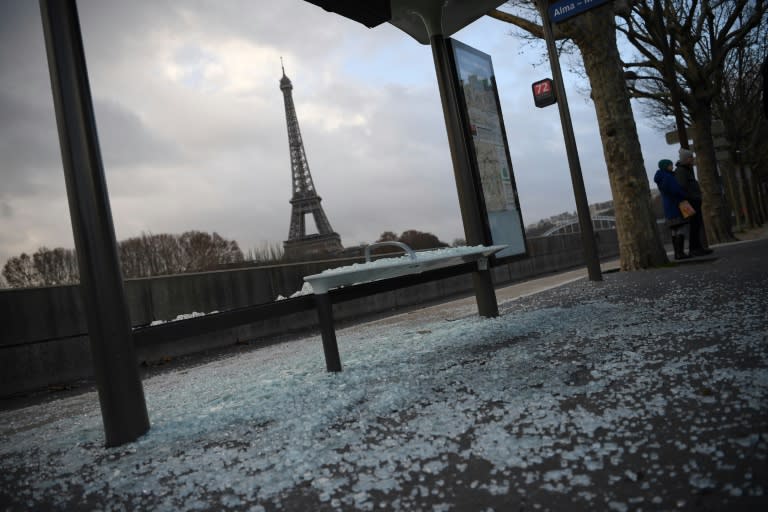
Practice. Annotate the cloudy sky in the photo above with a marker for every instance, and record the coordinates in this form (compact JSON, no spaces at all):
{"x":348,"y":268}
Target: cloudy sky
{"x":193,"y":134}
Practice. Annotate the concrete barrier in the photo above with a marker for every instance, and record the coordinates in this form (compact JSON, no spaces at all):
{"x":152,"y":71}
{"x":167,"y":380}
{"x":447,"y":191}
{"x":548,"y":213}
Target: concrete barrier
{"x":43,"y":332}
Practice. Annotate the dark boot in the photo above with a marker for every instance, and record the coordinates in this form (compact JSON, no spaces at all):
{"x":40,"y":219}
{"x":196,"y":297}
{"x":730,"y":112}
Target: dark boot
{"x":678,"y":244}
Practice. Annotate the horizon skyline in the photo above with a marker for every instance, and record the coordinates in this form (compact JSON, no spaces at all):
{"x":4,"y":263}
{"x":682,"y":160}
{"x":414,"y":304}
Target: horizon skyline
{"x":532,"y":225}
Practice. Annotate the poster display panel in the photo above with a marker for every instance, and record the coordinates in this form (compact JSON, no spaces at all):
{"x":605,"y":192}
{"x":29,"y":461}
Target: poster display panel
{"x":480,"y":102}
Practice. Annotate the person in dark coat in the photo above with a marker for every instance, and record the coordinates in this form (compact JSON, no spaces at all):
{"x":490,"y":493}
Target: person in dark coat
{"x":671,"y":196}
{"x":686,"y":178}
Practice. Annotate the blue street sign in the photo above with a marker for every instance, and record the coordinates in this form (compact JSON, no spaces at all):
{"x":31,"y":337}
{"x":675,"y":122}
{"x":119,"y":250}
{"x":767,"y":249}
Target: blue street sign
{"x":565,"y":9}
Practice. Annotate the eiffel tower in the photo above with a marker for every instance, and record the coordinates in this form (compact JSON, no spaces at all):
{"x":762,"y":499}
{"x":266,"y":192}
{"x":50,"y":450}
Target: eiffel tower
{"x":305,"y":200}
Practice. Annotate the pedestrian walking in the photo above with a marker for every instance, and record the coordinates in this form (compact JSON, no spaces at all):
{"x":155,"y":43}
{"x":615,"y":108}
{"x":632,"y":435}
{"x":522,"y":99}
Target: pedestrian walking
{"x":672,"y":194}
{"x":686,"y":178}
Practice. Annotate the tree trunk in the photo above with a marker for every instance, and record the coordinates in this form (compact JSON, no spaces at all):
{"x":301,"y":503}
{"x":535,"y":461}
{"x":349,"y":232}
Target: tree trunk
{"x":754,"y":210}
{"x":715,"y":213}
{"x":731,"y":191}
{"x":762,"y":198}
{"x":639,"y":242}
{"x":746,"y":206}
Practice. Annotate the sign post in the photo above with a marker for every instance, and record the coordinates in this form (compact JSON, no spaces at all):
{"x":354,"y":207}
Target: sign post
{"x":582,"y":205}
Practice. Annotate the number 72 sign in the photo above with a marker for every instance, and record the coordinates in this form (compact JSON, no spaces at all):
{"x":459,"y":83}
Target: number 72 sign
{"x":544,"y":93}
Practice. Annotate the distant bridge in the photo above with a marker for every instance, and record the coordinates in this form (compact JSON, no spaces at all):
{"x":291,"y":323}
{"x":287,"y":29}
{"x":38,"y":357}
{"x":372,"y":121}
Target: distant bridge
{"x":599,"y":223}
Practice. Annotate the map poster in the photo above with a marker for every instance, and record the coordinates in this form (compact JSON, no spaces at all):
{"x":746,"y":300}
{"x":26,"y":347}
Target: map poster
{"x":480,"y":101}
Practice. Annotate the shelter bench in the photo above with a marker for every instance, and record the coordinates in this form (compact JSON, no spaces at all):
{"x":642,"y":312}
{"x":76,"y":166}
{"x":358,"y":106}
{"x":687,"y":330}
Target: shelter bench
{"x":329,"y":287}
{"x":378,"y":273}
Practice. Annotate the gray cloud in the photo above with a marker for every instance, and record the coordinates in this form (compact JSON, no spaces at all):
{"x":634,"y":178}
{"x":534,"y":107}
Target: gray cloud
{"x":126,"y":141}
{"x":28,"y":143}
{"x":193,"y":135}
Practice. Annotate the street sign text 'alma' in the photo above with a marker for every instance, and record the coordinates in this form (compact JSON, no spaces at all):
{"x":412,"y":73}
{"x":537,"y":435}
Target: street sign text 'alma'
{"x":564,"y":9}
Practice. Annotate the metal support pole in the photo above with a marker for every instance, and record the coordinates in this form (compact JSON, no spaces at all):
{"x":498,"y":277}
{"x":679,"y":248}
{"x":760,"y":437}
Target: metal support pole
{"x":121,"y":396}
{"x":582,"y":205}
{"x":461,"y":150}
{"x":328,"y":332}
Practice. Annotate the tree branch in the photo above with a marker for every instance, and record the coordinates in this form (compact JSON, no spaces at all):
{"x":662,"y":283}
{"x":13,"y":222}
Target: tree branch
{"x":534,"y":29}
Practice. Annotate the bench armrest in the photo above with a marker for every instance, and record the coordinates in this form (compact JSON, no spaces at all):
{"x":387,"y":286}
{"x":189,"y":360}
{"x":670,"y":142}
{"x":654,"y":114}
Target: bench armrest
{"x":401,"y":245}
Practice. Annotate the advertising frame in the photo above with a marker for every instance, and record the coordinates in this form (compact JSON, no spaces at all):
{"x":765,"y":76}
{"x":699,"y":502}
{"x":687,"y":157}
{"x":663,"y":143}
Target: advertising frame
{"x":495,"y":186}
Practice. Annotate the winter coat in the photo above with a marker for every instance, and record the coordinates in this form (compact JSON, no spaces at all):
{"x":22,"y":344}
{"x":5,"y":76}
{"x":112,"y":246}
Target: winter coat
{"x":671,"y":193}
{"x":687,"y":180}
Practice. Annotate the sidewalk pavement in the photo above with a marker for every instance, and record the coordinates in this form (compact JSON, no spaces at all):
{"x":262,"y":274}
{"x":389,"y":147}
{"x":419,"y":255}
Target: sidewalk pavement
{"x":646,"y":391}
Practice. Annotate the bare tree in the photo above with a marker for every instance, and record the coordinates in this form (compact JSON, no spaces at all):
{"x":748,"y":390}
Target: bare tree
{"x":192,"y":251}
{"x":46,"y":267}
{"x":388,"y":236}
{"x":415,"y":239}
{"x":144,"y":256}
{"x":131,"y":260}
{"x":201,"y":251}
{"x":739,"y":107}
{"x":268,"y":253}
{"x":20,"y":272}
{"x":140,"y":256}
{"x":691,"y":67}
{"x":56,"y":266}
{"x":594,"y":34}
{"x":421,"y":240}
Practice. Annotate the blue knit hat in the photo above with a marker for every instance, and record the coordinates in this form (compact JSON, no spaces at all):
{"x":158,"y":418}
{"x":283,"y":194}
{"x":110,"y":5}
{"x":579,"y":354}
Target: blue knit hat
{"x":665,"y":164}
